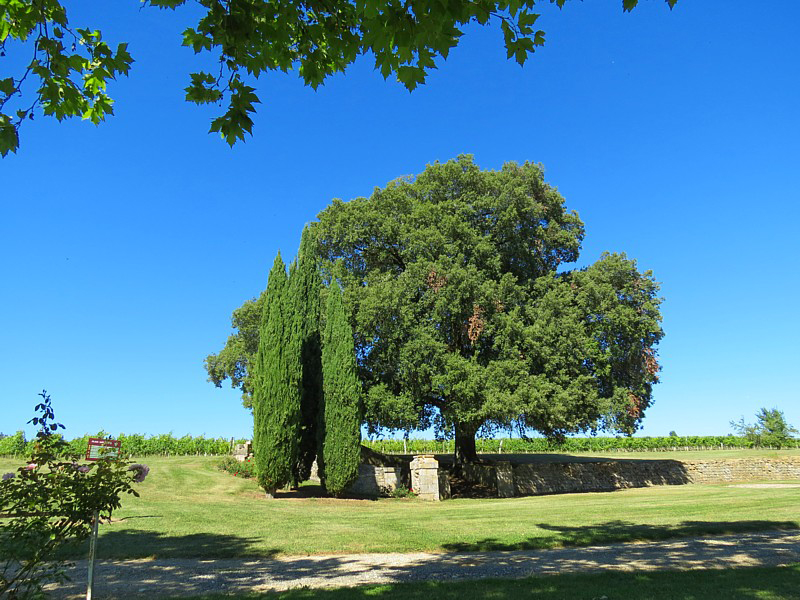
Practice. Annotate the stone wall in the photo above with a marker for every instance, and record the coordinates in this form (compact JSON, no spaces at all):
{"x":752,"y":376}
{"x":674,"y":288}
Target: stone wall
{"x":506,"y":479}
{"x":559,"y":478}
{"x":743,"y":469}
{"x":378,"y":474}
{"x":374,"y":481}
{"x":431,"y":478}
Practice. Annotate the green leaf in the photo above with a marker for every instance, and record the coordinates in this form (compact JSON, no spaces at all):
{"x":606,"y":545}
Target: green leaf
{"x":7,"y":86}
{"x":629,"y":5}
{"x":9,"y":139}
{"x":173,"y":4}
{"x":202,"y":90}
{"x":410,"y":76}
{"x":527,"y":19}
{"x":370,"y":9}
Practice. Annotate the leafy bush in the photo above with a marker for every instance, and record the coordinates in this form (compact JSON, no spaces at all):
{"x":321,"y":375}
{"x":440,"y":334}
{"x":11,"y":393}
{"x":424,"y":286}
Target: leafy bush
{"x":401,"y":491}
{"x":50,"y":503}
{"x":245,"y":468}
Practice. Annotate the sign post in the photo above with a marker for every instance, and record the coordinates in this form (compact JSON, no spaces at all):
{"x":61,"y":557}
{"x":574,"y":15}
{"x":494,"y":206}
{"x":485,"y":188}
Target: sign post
{"x":94,"y":450}
{"x":92,"y":552}
{"x":98,"y":448}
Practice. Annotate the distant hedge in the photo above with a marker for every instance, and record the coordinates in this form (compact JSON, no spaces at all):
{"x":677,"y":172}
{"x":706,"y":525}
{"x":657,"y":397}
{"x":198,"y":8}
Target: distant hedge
{"x":577,"y":444}
{"x":134,"y":444}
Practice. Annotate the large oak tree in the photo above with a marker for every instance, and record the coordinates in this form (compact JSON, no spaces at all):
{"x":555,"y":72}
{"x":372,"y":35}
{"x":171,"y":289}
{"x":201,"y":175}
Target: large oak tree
{"x":466,"y":319}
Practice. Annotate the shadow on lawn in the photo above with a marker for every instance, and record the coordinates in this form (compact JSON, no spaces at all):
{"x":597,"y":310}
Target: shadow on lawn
{"x":313,"y":490}
{"x":620,"y":531}
{"x":743,"y":584}
{"x":133,"y":544}
{"x":180,"y":577}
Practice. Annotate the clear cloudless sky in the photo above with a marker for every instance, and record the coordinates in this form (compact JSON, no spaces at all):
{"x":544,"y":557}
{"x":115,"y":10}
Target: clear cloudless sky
{"x":674,"y":134}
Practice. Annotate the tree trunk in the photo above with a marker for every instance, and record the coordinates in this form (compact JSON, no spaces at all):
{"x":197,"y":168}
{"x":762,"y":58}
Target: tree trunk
{"x":465,"y":443}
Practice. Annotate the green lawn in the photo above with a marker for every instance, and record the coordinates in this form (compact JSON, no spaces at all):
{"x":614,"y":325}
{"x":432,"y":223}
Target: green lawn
{"x":778,"y":583}
{"x":188,"y":508}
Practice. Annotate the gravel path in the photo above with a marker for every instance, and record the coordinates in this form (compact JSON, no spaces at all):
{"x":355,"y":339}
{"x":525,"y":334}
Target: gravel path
{"x":182,"y":577}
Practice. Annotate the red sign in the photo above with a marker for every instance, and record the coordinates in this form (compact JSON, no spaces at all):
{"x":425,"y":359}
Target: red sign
{"x":94,"y":451}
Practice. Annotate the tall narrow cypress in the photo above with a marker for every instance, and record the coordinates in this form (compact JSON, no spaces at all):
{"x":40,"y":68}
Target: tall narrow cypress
{"x":276,"y":407}
{"x":306,"y":283}
{"x":341,"y":423}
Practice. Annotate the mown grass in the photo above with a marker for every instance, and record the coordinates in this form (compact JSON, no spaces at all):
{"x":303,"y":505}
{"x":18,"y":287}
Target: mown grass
{"x":776,"y":583}
{"x":188,"y":508}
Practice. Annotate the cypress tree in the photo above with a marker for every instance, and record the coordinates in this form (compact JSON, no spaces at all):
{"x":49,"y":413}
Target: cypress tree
{"x":340,"y":427}
{"x":276,"y":407}
{"x":306,"y":283}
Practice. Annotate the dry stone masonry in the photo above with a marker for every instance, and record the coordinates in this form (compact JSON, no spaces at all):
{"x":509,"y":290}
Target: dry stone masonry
{"x":374,"y":480}
{"x":428,"y":481}
{"x":381,"y":474}
{"x":243,"y":451}
{"x":529,"y":479}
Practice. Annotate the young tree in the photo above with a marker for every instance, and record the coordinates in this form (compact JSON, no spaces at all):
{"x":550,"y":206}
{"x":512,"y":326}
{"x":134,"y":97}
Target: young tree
{"x":340,"y":427}
{"x":51,"y":503}
{"x":276,"y":387}
{"x":465,"y":318}
{"x":306,"y":285}
{"x":770,"y":429}
{"x":70,"y":67}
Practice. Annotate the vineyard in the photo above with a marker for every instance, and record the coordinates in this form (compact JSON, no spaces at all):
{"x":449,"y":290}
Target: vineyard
{"x":576,"y":444}
{"x":168,"y":445}
{"x":134,"y":445}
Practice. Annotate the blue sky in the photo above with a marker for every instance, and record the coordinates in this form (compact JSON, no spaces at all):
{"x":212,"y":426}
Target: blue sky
{"x":674,"y":134}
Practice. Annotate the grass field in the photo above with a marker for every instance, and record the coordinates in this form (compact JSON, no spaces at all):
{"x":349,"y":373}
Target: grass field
{"x":779,"y":583}
{"x":188,"y":509}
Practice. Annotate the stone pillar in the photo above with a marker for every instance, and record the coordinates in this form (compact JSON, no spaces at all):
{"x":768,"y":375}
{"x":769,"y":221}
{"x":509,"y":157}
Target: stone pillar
{"x":314,"y":475}
{"x":505,"y":479}
{"x":243,"y":451}
{"x":390,"y":478}
{"x":425,"y":477}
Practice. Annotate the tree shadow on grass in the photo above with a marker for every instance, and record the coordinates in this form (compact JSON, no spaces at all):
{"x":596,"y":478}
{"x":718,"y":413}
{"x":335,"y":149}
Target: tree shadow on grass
{"x":176,"y":577}
{"x":777,"y":583}
{"x":619,"y":531}
{"x":314,"y":490}
{"x":145,"y":544}
{"x":437,"y":575}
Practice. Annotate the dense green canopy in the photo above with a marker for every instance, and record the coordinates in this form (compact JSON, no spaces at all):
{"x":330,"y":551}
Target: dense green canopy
{"x":465,"y":318}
